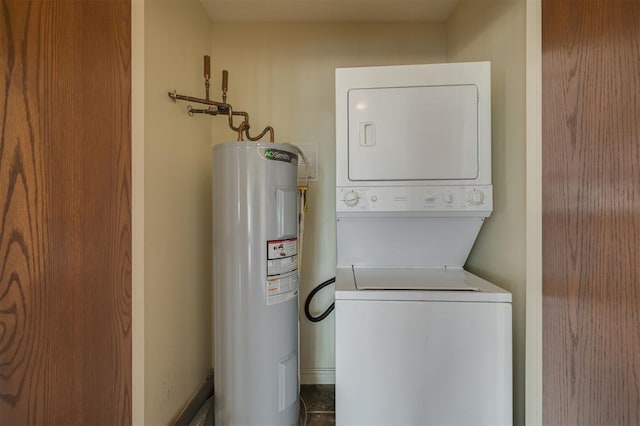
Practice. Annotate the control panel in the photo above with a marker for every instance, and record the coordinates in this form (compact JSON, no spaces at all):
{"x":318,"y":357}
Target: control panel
{"x":414,"y":199}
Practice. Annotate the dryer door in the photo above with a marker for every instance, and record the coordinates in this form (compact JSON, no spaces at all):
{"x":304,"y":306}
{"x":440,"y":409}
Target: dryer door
{"x":425,"y":133}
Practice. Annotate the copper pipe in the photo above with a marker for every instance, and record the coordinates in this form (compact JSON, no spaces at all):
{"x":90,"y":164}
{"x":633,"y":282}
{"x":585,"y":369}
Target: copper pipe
{"x":222,"y":107}
{"x":241,"y":129}
{"x":225,"y":85}
{"x":176,"y":97}
{"x":207,"y":74}
{"x":264,"y":132}
{"x":207,"y":67}
{"x":231,"y":113}
{"x":244,"y":115}
{"x":245,"y":126}
{"x":210,"y":111}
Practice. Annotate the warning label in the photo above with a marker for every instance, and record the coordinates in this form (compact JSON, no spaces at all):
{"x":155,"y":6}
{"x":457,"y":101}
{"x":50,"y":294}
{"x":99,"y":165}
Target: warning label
{"x":282,"y":256}
{"x":282,"y":266}
{"x":278,"y":249}
{"x":282,"y":288}
{"x":282,"y":270}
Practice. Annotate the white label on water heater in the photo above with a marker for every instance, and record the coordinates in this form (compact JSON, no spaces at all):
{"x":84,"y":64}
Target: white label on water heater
{"x":282,"y":288}
{"x":282,"y":270}
{"x":282,"y":266}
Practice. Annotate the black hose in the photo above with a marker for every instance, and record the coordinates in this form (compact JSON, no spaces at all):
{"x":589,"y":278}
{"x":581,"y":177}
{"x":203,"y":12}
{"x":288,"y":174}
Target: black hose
{"x":310,"y":297}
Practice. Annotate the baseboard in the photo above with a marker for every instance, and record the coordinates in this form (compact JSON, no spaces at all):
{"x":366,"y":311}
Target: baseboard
{"x":204,"y":392}
{"x":317,"y":376}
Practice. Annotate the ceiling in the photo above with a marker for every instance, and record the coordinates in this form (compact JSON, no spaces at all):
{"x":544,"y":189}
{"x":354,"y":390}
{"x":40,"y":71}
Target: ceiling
{"x":329,"y":10}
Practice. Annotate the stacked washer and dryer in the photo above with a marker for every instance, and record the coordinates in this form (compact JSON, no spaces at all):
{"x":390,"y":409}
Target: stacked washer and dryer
{"x":419,"y":340}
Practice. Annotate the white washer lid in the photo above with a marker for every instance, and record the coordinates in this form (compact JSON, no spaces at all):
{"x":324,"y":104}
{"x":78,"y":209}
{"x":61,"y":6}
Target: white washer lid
{"x":415,"y":283}
{"x":372,"y":278}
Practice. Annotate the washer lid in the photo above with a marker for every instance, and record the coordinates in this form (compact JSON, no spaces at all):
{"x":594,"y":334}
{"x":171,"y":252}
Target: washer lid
{"x":372,"y":278}
{"x":415,"y":283}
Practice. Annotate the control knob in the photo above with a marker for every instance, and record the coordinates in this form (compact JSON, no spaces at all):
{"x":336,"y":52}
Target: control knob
{"x":351,"y":198}
{"x":475,"y":197}
{"x":429,"y":197}
{"x":448,"y":197}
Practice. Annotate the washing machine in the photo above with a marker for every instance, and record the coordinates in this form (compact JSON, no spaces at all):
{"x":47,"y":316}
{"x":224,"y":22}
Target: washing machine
{"x":419,"y":340}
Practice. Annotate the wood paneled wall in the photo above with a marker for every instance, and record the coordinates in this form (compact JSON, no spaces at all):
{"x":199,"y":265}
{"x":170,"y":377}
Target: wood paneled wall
{"x":591,"y":212}
{"x":65,"y":213}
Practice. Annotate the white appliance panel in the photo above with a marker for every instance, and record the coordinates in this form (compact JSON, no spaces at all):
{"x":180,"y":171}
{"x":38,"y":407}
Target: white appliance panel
{"x":423,"y":363}
{"x":393,"y":121}
{"x":404,"y":283}
{"x":406,"y":241}
{"x":413,"y":133}
{"x":455,"y":200}
{"x":381,"y":278}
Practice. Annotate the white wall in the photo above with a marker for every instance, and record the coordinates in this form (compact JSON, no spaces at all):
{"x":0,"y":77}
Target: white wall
{"x":177,"y":210}
{"x":283,"y":75}
{"x":495,"y":31}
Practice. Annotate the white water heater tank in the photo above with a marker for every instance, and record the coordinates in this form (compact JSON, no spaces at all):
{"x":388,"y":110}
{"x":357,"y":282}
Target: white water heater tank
{"x":255,"y":284}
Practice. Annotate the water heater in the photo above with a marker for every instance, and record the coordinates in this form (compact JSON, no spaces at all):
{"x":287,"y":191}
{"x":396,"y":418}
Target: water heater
{"x":255,"y":284}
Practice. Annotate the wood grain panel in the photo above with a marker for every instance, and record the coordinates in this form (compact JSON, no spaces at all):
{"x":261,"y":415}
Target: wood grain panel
{"x":65,"y":209}
{"x":591,"y":212}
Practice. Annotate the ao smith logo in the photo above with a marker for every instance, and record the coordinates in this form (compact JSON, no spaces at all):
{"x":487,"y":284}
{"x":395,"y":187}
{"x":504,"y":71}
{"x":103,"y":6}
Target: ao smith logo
{"x":277,"y":155}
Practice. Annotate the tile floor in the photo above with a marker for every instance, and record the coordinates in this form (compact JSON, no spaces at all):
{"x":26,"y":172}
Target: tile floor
{"x":321,"y":407}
